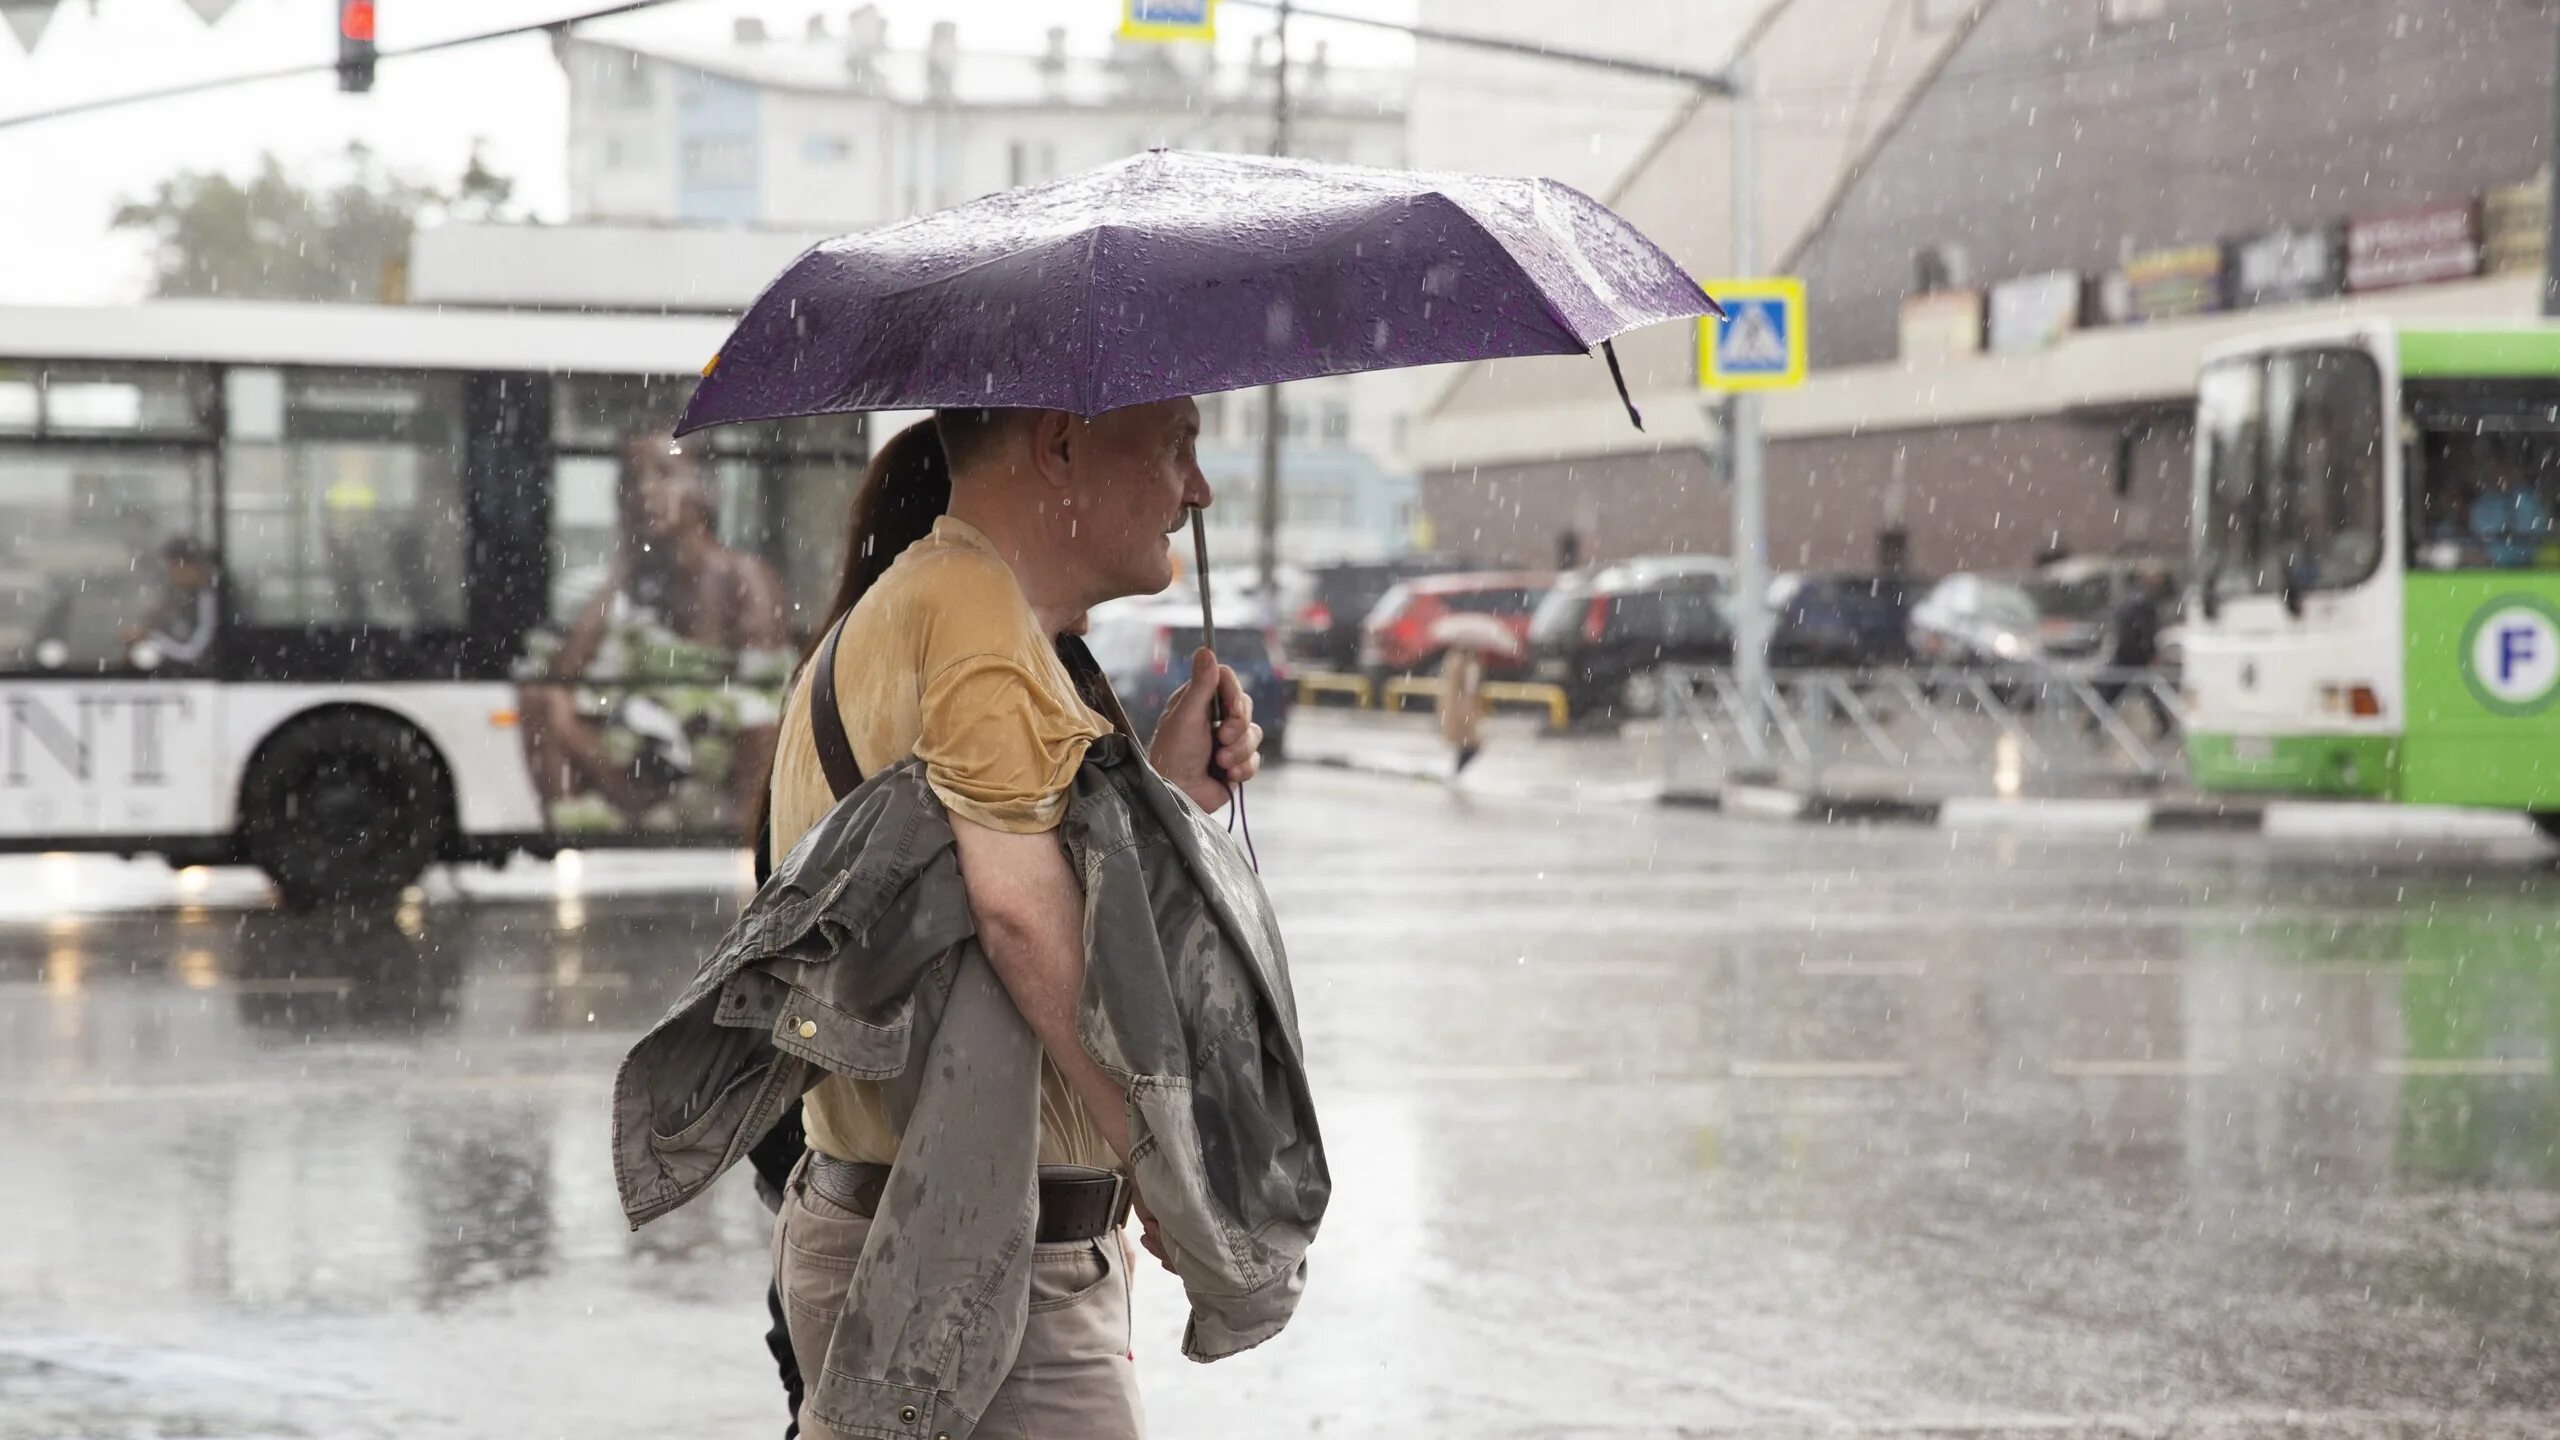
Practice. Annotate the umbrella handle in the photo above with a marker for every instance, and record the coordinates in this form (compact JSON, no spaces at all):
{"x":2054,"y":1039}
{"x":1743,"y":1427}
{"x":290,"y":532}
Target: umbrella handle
{"x":1218,"y":705}
{"x":1208,"y":635}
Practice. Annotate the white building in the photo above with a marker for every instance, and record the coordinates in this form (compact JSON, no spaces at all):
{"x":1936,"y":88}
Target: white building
{"x":832,"y":128}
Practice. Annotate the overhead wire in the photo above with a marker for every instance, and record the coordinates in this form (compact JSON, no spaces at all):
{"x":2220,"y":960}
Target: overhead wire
{"x":319,"y":67}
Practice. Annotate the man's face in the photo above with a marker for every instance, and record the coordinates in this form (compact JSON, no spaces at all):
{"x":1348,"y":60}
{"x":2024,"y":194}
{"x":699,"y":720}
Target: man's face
{"x":671,"y":495}
{"x":1133,"y":473}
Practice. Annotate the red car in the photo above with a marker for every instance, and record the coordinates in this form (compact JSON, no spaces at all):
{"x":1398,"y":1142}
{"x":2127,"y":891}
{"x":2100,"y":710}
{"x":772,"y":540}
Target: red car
{"x":1396,"y":639}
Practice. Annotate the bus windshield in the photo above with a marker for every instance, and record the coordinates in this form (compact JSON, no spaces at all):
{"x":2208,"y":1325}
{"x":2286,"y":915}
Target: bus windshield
{"x":2289,"y":469}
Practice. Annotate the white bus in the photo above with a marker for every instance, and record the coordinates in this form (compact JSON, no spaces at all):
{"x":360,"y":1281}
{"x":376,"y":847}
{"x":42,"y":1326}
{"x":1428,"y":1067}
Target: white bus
{"x":344,"y":591}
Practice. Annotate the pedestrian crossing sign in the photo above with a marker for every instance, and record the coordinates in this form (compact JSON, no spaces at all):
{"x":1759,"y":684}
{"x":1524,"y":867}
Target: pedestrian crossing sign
{"x":1169,"y":19}
{"x":1759,"y":344}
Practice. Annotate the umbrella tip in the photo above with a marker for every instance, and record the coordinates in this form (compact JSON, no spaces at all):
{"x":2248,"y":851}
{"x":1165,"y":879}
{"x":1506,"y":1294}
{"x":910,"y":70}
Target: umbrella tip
{"x":1715,"y":309}
{"x":1609,"y":349}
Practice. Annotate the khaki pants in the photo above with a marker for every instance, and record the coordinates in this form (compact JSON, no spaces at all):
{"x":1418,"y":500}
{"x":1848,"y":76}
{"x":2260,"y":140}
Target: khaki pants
{"x":1072,"y":1379}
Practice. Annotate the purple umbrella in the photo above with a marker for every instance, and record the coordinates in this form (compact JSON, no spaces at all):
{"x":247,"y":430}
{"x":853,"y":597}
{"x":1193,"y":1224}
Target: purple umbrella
{"x":1172,"y":273}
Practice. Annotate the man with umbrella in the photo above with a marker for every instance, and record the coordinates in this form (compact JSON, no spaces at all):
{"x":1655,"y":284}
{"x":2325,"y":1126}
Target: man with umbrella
{"x":951,"y":655}
{"x":1058,"y":333}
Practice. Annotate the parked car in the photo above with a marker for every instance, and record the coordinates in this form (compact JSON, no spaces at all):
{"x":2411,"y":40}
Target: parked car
{"x":1396,"y":639}
{"x":1603,"y":634}
{"x":1975,"y":620}
{"x":1325,"y":630}
{"x":2079,"y":598}
{"x":1145,"y":648}
{"x":1841,"y":620}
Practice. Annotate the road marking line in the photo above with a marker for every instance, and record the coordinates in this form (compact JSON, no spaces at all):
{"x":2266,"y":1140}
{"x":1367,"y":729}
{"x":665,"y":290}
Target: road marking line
{"x":1820,"y":1069}
{"x":1498,"y":1073}
{"x":298,"y":1087}
{"x":1910,"y":969}
{"x":2493,"y":1065}
{"x":2132,"y":1069}
{"x":2122,"y":967}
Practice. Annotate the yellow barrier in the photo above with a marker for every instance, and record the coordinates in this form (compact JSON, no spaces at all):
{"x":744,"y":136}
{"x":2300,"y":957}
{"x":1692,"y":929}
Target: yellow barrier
{"x":1405,"y":687}
{"x":1549,"y":698}
{"x":1318,"y":682}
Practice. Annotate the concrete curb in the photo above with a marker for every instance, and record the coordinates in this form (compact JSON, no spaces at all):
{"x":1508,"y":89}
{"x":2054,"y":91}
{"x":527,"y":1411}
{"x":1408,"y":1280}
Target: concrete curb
{"x":2302,"y":820}
{"x":2184,"y":814}
{"x":1367,"y":767}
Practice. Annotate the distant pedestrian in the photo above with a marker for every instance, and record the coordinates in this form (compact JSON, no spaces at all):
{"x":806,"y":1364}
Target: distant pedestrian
{"x":1468,"y":644}
{"x":1462,"y":704}
{"x":2133,"y":630}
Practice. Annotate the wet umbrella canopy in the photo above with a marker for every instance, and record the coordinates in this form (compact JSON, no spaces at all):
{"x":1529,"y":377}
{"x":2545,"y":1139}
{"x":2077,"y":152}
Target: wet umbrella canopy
{"x":1171,"y":274}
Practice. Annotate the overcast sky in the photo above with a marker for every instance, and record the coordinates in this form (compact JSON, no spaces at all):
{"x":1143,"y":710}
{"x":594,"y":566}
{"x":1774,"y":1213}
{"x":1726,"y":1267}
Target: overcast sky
{"x":60,"y":180}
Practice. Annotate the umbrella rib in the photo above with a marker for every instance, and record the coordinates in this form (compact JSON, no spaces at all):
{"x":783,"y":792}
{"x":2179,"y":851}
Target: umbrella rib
{"x":1092,"y":324}
{"x":1113,"y":206}
{"x":1581,"y":263}
{"x":1494,"y":235}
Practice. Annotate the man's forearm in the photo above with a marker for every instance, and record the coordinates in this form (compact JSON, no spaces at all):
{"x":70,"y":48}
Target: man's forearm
{"x":1046,"y":981}
{"x":1030,"y":916}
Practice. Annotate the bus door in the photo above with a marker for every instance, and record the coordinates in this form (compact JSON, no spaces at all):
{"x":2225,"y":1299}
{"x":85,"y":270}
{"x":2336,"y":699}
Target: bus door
{"x":109,"y":603}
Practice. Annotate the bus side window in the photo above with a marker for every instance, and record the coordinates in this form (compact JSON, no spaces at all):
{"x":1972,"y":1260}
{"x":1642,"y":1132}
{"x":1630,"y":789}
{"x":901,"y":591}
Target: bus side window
{"x":345,"y":503}
{"x":105,"y":515}
{"x":2487,"y":500}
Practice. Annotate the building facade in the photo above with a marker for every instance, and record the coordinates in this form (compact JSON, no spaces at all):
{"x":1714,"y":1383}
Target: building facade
{"x":2050,"y":208}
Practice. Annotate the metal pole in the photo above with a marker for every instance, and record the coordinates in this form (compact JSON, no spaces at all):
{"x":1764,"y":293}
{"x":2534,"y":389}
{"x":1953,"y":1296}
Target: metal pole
{"x":1742,"y":442}
{"x":2551,"y":200}
{"x":1267,"y":518}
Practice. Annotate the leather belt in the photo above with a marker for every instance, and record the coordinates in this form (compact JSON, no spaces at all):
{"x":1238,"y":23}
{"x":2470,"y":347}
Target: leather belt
{"x":1074,"y":1205}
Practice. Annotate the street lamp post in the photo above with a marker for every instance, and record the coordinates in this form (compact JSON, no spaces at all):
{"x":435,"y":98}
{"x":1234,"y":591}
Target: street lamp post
{"x":1743,"y":442}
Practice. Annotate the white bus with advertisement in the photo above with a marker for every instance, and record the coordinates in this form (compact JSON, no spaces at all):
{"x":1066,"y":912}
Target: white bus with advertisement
{"x":345,"y":591}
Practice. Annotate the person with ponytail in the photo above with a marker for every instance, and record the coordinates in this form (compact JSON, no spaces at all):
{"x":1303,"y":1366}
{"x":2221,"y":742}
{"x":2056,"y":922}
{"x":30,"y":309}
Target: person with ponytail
{"x":978,"y":541}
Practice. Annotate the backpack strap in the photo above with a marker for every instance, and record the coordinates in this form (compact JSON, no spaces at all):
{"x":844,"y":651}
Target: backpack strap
{"x":826,"y":721}
{"x":835,"y":748}
{"x":1094,"y":687}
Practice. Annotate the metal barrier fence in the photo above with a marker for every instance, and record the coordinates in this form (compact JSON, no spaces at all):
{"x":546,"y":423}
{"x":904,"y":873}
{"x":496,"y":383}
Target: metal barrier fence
{"x":1924,"y":731}
{"x":1401,"y":690}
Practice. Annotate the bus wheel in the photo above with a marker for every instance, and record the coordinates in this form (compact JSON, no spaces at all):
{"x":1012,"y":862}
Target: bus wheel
{"x":344,"y":808}
{"x":2548,"y":821}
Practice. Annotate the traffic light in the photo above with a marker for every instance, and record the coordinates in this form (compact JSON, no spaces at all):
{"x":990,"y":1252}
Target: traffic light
{"x":355,"y":46}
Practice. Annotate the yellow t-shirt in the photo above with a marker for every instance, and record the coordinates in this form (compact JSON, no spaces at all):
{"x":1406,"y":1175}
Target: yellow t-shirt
{"x":944,"y":661}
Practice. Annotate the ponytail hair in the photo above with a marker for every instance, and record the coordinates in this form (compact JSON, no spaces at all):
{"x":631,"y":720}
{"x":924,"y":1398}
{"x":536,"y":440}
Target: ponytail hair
{"x":905,"y":488}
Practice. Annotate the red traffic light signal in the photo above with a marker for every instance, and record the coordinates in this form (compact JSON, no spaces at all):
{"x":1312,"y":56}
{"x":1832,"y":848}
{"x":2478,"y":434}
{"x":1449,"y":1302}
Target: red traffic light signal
{"x":355,"y":46}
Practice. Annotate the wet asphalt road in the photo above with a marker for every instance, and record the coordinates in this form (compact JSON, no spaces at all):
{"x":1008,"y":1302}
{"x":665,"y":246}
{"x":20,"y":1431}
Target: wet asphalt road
{"x":1643,"y":1123}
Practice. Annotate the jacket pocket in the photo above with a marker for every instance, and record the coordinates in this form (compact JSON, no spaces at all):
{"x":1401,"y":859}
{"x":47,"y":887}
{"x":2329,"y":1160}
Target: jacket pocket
{"x":859,"y":1047}
{"x":718,"y":1119}
{"x":736,"y":1062}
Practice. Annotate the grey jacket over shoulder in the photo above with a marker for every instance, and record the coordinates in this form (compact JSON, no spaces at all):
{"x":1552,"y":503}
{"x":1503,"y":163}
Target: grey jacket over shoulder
{"x":860,"y":958}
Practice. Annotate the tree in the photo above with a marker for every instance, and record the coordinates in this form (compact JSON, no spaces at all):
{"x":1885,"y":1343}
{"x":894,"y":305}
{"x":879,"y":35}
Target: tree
{"x":276,"y":237}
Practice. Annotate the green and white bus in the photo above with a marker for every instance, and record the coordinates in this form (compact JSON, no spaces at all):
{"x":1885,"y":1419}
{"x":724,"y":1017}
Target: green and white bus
{"x":2375,"y":608}
{"x":344,"y":591}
